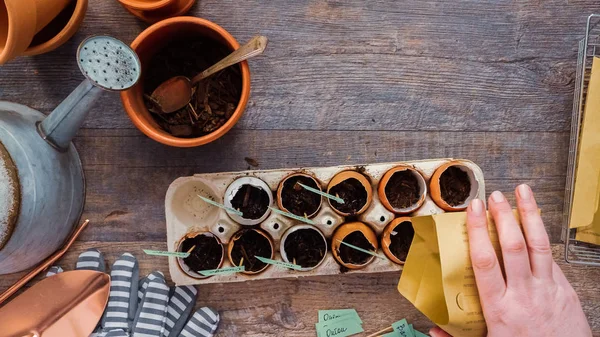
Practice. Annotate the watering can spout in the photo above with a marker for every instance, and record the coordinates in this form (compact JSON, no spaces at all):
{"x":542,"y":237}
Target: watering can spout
{"x":60,"y":127}
{"x":108,"y":64}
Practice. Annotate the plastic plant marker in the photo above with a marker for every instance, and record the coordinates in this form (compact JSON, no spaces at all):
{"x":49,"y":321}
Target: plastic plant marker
{"x":163,"y":253}
{"x":326,"y":195}
{"x":328,"y":315}
{"x":293,"y":216}
{"x":279,"y":263}
{"x":222,"y":271}
{"x":362,"y":250}
{"x":340,"y":327}
{"x":403,"y":328}
{"x":228,"y":209}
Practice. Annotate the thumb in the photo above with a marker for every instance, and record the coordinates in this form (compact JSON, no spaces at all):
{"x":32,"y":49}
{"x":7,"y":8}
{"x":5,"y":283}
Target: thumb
{"x":437,"y":332}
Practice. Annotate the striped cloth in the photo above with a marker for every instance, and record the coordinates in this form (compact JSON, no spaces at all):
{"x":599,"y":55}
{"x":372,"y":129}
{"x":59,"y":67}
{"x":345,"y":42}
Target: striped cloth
{"x":147,"y":307}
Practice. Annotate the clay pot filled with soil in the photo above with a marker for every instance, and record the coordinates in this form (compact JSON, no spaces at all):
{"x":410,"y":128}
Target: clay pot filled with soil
{"x":402,"y":189}
{"x":397,"y":238}
{"x":206,"y":253}
{"x":303,"y":245}
{"x":245,"y":245}
{"x":293,"y":198}
{"x":357,"y":234}
{"x":252,"y":197}
{"x":354,"y":188}
{"x":453,"y":186}
{"x":185,"y":46}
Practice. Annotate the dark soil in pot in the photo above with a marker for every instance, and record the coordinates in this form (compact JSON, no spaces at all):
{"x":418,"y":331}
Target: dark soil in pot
{"x":400,"y":243}
{"x":206,"y":254}
{"x":352,"y":192}
{"x":214,"y":99}
{"x":353,"y":256}
{"x":455,"y":186}
{"x":298,"y":200}
{"x":252,"y":201}
{"x":402,"y":190}
{"x":305,"y":247}
{"x":249,"y":245}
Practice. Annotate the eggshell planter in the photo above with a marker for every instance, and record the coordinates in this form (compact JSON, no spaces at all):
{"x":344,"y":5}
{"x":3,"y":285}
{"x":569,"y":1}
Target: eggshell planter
{"x":357,"y":234}
{"x":249,"y":193}
{"x":294,"y":199}
{"x":245,"y":245}
{"x":397,"y":238}
{"x":348,"y":183}
{"x":399,"y":184}
{"x":455,"y":180}
{"x":204,"y":254}
{"x":304,"y":245}
{"x":187,"y":214}
{"x":152,"y":40}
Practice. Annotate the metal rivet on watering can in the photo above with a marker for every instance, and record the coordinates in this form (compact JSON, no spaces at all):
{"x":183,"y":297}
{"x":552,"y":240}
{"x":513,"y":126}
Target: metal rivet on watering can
{"x":107,"y":63}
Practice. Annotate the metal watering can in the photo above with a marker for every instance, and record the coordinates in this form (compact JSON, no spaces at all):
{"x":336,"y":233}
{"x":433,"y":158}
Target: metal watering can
{"x":42,"y":185}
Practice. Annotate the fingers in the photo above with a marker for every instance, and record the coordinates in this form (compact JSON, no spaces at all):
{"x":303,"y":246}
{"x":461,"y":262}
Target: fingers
{"x":488,"y":274}
{"x":122,"y":300}
{"x":181,"y":304}
{"x":558,"y":276}
{"x":204,"y":323}
{"x":538,"y":244}
{"x":151,"y":315}
{"x":91,"y":259}
{"x":512,"y":242}
{"x":437,"y":332}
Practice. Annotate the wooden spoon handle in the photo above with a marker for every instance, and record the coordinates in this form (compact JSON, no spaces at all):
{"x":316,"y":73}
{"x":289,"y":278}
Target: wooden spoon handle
{"x":253,"y":48}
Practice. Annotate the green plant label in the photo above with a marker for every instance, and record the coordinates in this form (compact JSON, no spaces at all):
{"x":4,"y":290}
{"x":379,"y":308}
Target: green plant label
{"x":222,"y":271}
{"x":362,"y":250}
{"x":162,"y":253}
{"x":279,"y":263}
{"x":329,"y":315}
{"x":293,"y":216}
{"x":340,"y":327}
{"x":403,"y":328}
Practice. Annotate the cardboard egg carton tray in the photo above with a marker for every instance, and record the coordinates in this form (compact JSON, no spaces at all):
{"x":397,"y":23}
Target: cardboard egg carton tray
{"x":186,"y":213}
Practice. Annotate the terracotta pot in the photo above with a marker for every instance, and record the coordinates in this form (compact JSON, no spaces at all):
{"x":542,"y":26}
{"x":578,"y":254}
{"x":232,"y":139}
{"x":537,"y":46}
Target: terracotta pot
{"x":59,"y":30}
{"x":146,"y":45}
{"x":436,"y":189}
{"x":345,"y":175}
{"x":237,"y":236}
{"x":145,"y":5}
{"x":347,"y":229}
{"x":293,"y":229}
{"x":385,"y":180}
{"x":386,"y":238}
{"x":184,"y":267}
{"x":20,"y":20}
{"x":171,"y":9}
{"x":235,"y":187}
{"x":280,"y":190}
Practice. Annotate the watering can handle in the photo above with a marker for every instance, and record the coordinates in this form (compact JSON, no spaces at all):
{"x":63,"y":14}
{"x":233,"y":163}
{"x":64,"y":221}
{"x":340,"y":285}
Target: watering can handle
{"x":60,"y":127}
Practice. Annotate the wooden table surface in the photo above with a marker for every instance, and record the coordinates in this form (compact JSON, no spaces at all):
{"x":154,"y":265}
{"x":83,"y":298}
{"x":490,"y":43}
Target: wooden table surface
{"x":342,"y":82}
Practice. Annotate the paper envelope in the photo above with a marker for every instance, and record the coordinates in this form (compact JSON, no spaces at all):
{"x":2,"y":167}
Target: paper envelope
{"x":438,"y":277}
{"x":586,"y":191}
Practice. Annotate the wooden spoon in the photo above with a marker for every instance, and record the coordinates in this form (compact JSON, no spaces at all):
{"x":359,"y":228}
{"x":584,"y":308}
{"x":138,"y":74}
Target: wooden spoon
{"x":176,"y":92}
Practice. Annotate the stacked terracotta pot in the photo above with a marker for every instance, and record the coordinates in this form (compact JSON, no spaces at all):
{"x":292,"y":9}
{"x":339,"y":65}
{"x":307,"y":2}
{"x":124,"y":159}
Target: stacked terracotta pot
{"x":153,"y":11}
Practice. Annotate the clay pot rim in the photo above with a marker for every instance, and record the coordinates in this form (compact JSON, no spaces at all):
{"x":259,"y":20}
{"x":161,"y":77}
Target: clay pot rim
{"x":363,"y":180}
{"x":280,"y":190}
{"x":147,"y":5}
{"x":177,"y":7}
{"x":17,"y":22}
{"x":70,"y":28}
{"x":180,"y":261}
{"x":259,"y":183}
{"x":336,"y":245}
{"x":245,"y":230}
{"x":435,"y":186}
{"x":386,"y":241}
{"x":386,"y":178}
{"x":162,"y":136}
{"x":292,"y":229}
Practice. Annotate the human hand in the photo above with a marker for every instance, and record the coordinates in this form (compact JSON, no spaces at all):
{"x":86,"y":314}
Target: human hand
{"x":533,"y":297}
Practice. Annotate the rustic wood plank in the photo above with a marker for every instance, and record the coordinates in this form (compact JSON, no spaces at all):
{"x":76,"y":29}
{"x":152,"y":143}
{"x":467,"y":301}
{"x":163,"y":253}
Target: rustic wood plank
{"x":289,"y":307}
{"x":355,"y":65}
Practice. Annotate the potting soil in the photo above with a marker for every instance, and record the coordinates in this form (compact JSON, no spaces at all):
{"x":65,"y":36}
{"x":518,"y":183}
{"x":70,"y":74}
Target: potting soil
{"x":455,"y":186}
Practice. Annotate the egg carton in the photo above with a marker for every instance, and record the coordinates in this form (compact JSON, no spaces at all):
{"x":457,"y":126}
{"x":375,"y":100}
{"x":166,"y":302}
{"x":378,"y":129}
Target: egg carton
{"x":186,"y":214}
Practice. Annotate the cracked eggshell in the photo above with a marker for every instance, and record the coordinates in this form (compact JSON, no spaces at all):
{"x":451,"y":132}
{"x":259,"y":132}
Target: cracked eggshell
{"x":347,"y":229}
{"x":386,"y":178}
{"x":280,"y":190}
{"x":386,"y":239}
{"x":187,"y":270}
{"x":283,"y":253}
{"x":345,"y":175}
{"x":237,"y":236}
{"x":232,"y":190}
{"x":436,"y":191}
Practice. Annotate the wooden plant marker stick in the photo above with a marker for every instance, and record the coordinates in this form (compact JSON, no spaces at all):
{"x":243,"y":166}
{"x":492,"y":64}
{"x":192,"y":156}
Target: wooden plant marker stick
{"x":293,"y":216}
{"x":214,"y":203}
{"x":381,"y":332}
{"x":162,"y":253}
{"x":361,"y":250}
{"x":190,"y":250}
{"x":241,"y":261}
{"x":319,"y":192}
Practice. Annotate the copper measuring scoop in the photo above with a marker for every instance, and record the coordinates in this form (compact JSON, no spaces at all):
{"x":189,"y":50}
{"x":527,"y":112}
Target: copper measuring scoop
{"x":68,"y":304}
